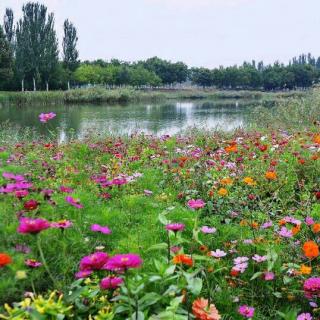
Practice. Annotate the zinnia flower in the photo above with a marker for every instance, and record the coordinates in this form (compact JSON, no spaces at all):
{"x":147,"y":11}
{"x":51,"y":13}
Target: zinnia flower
{"x":95,"y":261}
{"x":175,"y":227}
{"x":32,"y":263}
{"x":183,"y":259}
{"x":310,"y":249}
{"x":98,"y":228}
{"x":271,"y":175}
{"x":203,"y":311}
{"x":31,"y":205}
{"x":110,"y":283}
{"x":33,"y":226}
{"x":246,"y":311}
{"x":311,"y":288}
{"x":5,"y":259}
{"x":121,"y":262}
{"x":196,"y":204}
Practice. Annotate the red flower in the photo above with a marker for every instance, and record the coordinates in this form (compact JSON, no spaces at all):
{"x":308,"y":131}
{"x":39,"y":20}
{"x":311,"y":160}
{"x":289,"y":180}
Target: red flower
{"x":5,"y":259}
{"x":31,"y":205}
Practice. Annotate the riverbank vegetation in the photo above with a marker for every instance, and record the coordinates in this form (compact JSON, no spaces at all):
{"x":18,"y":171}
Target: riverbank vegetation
{"x":147,"y":227}
{"x":41,"y":68}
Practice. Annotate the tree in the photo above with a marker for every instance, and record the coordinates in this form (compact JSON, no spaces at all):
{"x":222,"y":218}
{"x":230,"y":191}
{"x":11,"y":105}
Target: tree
{"x":36,"y":48}
{"x":8,"y":23}
{"x":70,"y":52}
{"x":6,"y":60}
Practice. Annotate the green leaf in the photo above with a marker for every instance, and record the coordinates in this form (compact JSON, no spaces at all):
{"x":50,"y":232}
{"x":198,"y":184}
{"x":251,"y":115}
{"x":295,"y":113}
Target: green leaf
{"x":195,"y":285}
{"x":158,"y":246}
{"x":256,"y":275}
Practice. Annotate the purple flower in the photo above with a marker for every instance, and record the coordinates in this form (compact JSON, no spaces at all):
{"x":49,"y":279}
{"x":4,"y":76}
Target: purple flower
{"x":218,"y":253}
{"x":98,"y":228}
{"x":206,"y":229}
{"x":309,"y":221}
{"x":45,"y":117}
{"x":284,"y":232}
{"x":241,"y":267}
{"x":311,"y":288}
{"x":240,"y":260}
{"x":304,"y":316}
{"x":66,"y":189}
{"x":122,"y":262}
{"x":110,"y":283}
{"x":246,"y":311}
{"x":196,"y":204}
{"x":267,"y":225}
{"x":175,"y":227}
{"x":259,"y":259}
{"x":74,"y":202}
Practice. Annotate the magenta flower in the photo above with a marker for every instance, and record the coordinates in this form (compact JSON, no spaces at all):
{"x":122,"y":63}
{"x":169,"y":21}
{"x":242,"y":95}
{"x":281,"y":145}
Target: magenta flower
{"x":206,"y":229}
{"x":304,"y":316}
{"x":45,"y":117}
{"x":110,"y":283}
{"x":62,"y":224}
{"x":74,"y":202}
{"x":311,"y":288}
{"x":33,"y":226}
{"x":196,"y":204}
{"x":246,"y":311}
{"x":83,"y":274}
{"x":175,"y":227}
{"x":21,"y":193}
{"x":268,"y":276}
{"x":286,"y":233}
{"x":31,"y":263}
{"x":95,"y":261}
{"x":11,"y":176}
{"x":122,"y":262}
{"x":98,"y":228}
{"x":66,"y":189}
{"x":309,"y":221}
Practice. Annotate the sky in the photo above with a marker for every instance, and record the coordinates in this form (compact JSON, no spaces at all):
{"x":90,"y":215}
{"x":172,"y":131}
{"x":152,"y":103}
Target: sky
{"x":206,"y":33}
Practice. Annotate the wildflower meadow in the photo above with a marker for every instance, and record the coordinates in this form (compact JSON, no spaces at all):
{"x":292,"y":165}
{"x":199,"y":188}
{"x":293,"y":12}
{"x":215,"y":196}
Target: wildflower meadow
{"x":196,"y":226}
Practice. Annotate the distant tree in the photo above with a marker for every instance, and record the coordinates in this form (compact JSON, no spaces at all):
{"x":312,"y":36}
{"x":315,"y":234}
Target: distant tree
{"x":202,"y":77}
{"x":36,"y":47}
{"x":6,"y":61}
{"x":8,"y":23}
{"x":70,"y":52}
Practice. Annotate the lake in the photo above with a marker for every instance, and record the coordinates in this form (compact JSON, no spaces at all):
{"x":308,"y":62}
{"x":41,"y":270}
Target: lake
{"x":152,"y":118}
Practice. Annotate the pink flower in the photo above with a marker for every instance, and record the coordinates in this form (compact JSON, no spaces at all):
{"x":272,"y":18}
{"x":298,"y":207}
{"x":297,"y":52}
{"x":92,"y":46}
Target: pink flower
{"x":175,"y":227}
{"x":98,"y":228}
{"x":83,"y":274}
{"x":62,"y":224}
{"x":110,"y":283}
{"x":267,"y":225}
{"x":309,"y":221}
{"x":311,"y":288}
{"x":304,"y":316}
{"x":45,"y":117}
{"x":196,"y":204}
{"x":33,"y":263}
{"x":21,"y":193}
{"x":241,"y":267}
{"x":268,"y":276}
{"x":66,"y":189}
{"x":11,"y":176}
{"x":259,"y":259}
{"x":95,"y":261}
{"x":148,"y":192}
{"x":124,"y":262}
{"x":206,"y":229}
{"x":218,"y":253}
{"x":33,"y":226}
{"x":246,"y":311}
{"x":74,"y":202}
{"x":284,"y":232}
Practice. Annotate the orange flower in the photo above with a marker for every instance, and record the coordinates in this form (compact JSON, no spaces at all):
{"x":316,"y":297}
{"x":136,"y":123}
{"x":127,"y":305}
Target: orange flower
{"x":255,"y":225}
{"x":295,"y":229}
{"x":249,"y":181}
{"x":316,"y":139}
{"x":5,"y":259}
{"x":305,"y":270}
{"x":316,"y":228}
{"x":183,"y":259}
{"x":226,"y":181}
{"x":310,"y":249}
{"x":271,"y":175}
{"x":222,"y":192}
{"x":231,"y":148}
{"x":203,"y":311}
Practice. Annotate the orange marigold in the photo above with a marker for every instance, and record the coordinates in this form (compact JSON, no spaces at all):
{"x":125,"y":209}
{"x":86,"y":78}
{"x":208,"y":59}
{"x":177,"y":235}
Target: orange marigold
{"x":203,"y":311}
{"x":310,"y":249}
{"x":305,"y":269}
{"x":316,"y":139}
{"x":226,"y":181}
{"x":222,"y":192}
{"x":271,"y":175}
{"x":316,"y":228}
{"x":249,"y":181}
{"x":231,"y":148}
{"x":5,"y":259}
{"x":183,"y":259}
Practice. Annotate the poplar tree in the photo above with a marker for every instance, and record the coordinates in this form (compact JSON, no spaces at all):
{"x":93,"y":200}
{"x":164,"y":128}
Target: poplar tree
{"x":6,"y":60}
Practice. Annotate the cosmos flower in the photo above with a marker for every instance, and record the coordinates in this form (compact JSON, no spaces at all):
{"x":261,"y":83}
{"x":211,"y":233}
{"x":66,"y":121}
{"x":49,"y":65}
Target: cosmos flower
{"x":98,"y":228}
{"x":31,"y":263}
{"x":218,"y":253}
{"x":32,"y":226}
{"x":259,"y":259}
{"x":74,"y":202}
{"x":246,"y":311}
{"x":45,"y":117}
{"x":206,"y":229}
{"x":62,"y":224}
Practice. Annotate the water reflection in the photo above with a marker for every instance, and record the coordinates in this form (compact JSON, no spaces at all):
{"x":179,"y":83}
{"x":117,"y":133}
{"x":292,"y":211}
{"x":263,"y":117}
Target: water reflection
{"x":157,"y":118}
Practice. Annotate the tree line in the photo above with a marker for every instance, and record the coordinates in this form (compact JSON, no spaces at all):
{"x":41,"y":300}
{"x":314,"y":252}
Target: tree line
{"x":30,"y":59}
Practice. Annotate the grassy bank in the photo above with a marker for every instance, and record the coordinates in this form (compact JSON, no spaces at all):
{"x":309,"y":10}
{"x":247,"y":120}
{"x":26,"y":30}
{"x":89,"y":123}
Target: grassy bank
{"x":100,"y":95}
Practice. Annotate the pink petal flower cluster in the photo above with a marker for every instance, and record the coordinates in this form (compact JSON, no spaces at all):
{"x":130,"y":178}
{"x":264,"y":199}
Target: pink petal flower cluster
{"x":175,"y":227}
{"x":311,"y":288}
{"x":196,"y":204}
{"x":95,"y":261}
{"x":218,"y":253}
{"x":45,"y":117}
{"x":246,"y":311}
{"x":74,"y":202}
{"x":62,"y":224}
{"x":240,"y":264}
{"x":31,"y":263}
{"x":122,"y":262}
{"x":206,"y":229}
{"x":32,"y":226}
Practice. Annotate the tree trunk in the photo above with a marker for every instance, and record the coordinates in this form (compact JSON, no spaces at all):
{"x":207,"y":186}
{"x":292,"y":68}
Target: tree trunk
{"x":22,"y":85}
{"x":47,"y":85}
{"x":69,"y":85}
{"x":34,"y":84}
